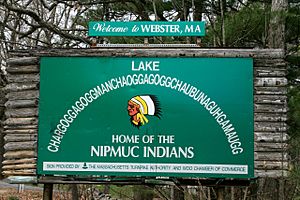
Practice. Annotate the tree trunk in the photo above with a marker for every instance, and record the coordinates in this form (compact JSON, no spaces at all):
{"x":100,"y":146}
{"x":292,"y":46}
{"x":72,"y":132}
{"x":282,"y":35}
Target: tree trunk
{"x":74,"y":189}
{"x":106,"y":189}
{"x":277,"y":24}
{"x":232,"y":192}
{"x":197,"y":14}
{"x":2,"y":102}
{"x":142,"y":193}
{"x":48,"y":191}
{"x":222,"y":8}
{"x":281,"y":185}
{"x":220,"y":193}
{"x":178,"y":193}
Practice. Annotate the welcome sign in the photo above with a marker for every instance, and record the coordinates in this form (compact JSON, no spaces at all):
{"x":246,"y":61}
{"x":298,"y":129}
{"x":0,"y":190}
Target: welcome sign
{"x":147,"y":28}
{"x":180,"y":117}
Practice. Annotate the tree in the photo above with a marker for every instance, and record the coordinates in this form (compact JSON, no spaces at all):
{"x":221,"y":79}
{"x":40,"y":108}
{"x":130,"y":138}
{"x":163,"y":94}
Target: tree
{"x":277,"y":24}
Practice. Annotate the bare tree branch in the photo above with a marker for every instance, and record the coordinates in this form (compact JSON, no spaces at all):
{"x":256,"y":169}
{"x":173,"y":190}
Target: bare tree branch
{"x":44,"y":24}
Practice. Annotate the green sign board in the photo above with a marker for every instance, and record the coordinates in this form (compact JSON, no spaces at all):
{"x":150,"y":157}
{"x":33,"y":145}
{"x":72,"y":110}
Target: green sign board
{"x":147,"y":28}
{"x":121,"y":116}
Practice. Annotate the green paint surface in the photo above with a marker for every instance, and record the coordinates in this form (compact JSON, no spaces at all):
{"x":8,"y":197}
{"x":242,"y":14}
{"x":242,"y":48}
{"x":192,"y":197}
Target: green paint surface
{"x":205,"y":128}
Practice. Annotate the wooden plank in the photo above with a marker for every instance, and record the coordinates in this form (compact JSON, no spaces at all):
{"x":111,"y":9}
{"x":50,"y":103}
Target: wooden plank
{"x":271,"y":165}
{"x":20,"y":131}
{"x":22,"y":61}
{"x":20,"y":154}
{"x":265,"y":108}
{"x":20,"y":137}
{"x":269,"y":72}
{"x":14,"y":87}
{"x":270,"y":90}
{"x":21,"y":121}
{"x":270,"y":82}
{"x":271,"y":136}
{"x":22,"y":180}
{"x":270,"y":147}
{"x":23,"y":95}
{"x":19,"y":127}
{"x":270,"y":63}
{"x":18,"y":146}
{"x":22,"y":103}
{"x":270,"y":99}
{"x":157,"y":52}
{"x":20,"y":172}
{"x":271,"y":156}
{"x":271,"y":173}
{"x":270,"y":127}
{"x":270,"y":117}
{"x":23,"y":78}
{"x":21,"y":112}
{"x":19,"y":161}
{"x":19,"y":166}
{"x":24,"y":69}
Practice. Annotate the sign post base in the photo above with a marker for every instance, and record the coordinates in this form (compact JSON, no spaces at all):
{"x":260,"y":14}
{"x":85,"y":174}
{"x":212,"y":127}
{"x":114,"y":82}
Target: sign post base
{"x":48,"y":191}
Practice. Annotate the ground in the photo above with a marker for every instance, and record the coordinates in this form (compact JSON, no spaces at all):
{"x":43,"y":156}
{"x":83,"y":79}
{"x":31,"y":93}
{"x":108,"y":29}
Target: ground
{"x":13,"y":194}
{"x":63,"y":192}
{"x":10,"y":192}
